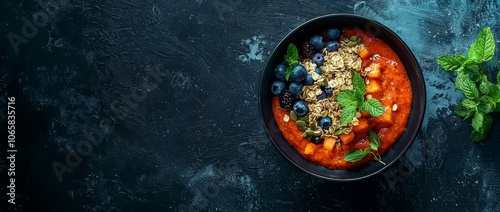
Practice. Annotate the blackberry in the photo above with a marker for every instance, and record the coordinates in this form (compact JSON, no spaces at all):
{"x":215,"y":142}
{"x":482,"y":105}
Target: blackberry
{"x":307,"y":50}
{"x":286,"y":100}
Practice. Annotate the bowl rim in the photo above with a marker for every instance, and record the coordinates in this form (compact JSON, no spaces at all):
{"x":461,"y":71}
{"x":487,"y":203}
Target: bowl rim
{"x":421,"y":106}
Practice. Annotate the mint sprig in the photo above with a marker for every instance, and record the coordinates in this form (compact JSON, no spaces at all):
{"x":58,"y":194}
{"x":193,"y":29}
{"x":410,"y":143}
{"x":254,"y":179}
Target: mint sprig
{"x":351,"y":100}
{"x":357,"y":155}
{"x":482,"y":97}
{"x":292,"y":58}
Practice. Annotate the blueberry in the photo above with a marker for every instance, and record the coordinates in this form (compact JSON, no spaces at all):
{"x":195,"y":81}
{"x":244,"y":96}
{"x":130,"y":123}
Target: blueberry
{"x":317,"y":42}
{"x":333,"y":34}
{"x":325,"y":122}
{"x":300,"y":108}
{"x":278,"y":87}
{"x":279,"y":71}
{"x":295,"y":88}
{"x":318,"y":71}
{"x":332,"y":46}
{"x":321,"y":96}
{"x":309,"y":80}
{"x":317,"y":139}
{"x":298,"y":73}
{"x":319,"y":59}
{"x":329,"y":91}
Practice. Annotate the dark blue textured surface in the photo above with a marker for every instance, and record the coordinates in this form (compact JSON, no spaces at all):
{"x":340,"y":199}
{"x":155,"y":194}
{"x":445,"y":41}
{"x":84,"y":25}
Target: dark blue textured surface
{"x":174,"y":83}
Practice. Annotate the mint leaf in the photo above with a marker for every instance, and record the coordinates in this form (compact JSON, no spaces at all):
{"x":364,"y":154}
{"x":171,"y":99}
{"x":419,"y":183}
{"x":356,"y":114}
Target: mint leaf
{"x":464,"y":112}
{"x":498,"y":77}
{"x":477,"y":136}
{"x":460,"y":58}
{"x":292,"y":52}
{"x":476,"y":72}
{"x":483,"y":49}
{"x":359,"y":89}
{"x":487,"y":123}
{"x":346,"y":98}
{"x":288,"y":73}
{"x":451,"y":63}
{"x":473,"y":67}
{"x":462,"y":76}
{"x":293,"y":63}
{"x":359,"y":84}
{"x":485,"y":86}
{"x":374,"y":140}
{"x":292,"y":58}
{"x":482,"y":122}
{"x":466,"y":108}
{"x":348,"y":113}
{"x":373,"y":106}
{"x":360,"y":98}
{"x":494,"y":93}
{"x":467,"y":103}
{"x":468,"y":87}
{"x":477,"y":122}
{"x":356,"y":155}
{"x":486,"y":104}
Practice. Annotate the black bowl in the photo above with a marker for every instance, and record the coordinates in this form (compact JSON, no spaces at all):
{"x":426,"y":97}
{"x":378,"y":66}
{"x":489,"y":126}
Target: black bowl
{"x":410,"y":63}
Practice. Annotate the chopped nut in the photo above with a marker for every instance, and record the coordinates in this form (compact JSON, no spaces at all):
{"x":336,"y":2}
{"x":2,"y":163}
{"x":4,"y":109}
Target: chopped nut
{"x":394,"y":107}
{"x":286,"y":118}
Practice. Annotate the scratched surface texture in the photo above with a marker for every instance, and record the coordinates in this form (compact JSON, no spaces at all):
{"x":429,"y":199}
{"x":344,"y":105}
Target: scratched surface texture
{"x":128,"y":105}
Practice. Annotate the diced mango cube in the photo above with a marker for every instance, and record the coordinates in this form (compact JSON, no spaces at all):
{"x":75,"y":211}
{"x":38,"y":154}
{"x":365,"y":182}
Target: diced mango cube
{"x":361,"y":127}
{"x":364,"y":54}
{"x":347,"y":138}
{"x":309,"y":149}
{"x":386,"y":118}
{"x":373,"y":87}
{"x":374,"y":72}
{"x":329,"y":143}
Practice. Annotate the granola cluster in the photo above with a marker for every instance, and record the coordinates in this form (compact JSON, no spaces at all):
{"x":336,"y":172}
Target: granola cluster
{"x":337,"y":73}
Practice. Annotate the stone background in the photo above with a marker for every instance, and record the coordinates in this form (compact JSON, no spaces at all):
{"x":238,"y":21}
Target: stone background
{"x":166,"y":92}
